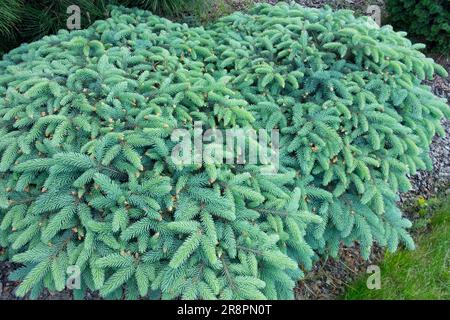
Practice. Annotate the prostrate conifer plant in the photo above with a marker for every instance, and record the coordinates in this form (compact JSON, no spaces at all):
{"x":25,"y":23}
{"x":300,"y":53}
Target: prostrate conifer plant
{"x":86,"y":172}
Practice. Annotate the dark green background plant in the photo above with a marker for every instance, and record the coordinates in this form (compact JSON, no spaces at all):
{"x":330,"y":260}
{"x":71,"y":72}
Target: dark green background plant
{"x":427,"y":20}
{"x":25,"y":21}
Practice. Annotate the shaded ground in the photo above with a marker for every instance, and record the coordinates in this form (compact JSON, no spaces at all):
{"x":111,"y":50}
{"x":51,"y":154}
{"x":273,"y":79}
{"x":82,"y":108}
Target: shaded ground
{"x":7,"y":287}
{"x":329,"y":278}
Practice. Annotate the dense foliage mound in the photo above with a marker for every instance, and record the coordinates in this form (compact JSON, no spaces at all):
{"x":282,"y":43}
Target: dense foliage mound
{"x":25,"y":21}
{"x":87,"y":176}
{"x":427,"y":19}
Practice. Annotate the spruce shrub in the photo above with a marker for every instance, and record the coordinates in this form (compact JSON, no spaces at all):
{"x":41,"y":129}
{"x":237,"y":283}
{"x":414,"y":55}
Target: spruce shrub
{"x":426,"y":19}
{"x":86,"y":172}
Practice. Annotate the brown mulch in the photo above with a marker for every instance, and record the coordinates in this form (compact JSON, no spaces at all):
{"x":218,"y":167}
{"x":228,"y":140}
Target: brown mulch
{"x":7,"y":287}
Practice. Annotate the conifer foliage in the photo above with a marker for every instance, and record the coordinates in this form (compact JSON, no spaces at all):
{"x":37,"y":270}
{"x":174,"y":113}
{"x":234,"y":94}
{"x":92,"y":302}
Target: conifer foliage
{"x":425,"y":19}
{"x":87,"y":179}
